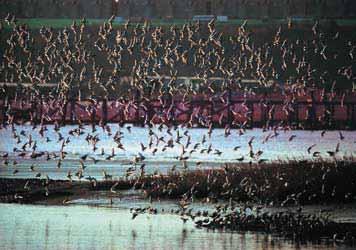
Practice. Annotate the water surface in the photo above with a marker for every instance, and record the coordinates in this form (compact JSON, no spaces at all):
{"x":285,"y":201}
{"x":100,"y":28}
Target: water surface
{"x":88,"y":227}
{"x":276,"y":148}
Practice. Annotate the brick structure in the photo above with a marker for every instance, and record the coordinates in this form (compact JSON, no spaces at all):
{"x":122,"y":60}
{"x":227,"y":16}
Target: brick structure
{"x":183,"y":9}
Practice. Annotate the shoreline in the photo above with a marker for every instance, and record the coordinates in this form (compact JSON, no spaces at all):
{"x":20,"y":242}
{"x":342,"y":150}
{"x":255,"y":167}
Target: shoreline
{"x":293,"y":223}
{"x":276,"y":184}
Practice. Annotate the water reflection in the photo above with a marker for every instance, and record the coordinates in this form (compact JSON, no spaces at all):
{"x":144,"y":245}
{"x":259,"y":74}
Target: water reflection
{"x":83,"y":227}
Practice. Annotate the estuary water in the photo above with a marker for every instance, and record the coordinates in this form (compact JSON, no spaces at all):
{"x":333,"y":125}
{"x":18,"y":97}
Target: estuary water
{"x":275,"y":146}
{"x":92,"y":227}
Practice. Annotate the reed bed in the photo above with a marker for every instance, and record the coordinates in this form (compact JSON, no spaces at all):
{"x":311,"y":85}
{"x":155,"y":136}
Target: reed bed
{"x":280,"y":183}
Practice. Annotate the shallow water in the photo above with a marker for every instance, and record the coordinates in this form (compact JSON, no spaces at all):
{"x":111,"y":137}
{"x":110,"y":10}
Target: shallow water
{"x":277,"y":148}
{"x":88,"y":227}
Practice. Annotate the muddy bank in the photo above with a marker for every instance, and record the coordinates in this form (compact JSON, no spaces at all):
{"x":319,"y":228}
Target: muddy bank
{"x":54,"y":192}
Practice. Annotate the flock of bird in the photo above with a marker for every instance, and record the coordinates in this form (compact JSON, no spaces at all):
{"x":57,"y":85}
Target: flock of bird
{"x":88,"y":65}
{"x":295,"y":225}
{"x":159,"y":139}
